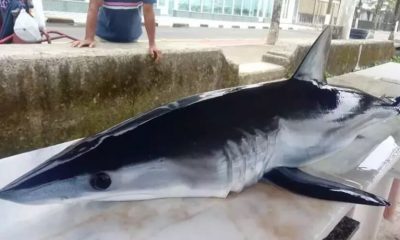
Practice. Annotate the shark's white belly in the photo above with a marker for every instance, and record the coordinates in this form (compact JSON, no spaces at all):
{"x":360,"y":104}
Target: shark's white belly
{"x":237,"y":165}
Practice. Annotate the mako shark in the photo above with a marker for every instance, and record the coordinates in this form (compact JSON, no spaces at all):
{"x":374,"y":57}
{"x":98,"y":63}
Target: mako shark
{"x":218,"y":142}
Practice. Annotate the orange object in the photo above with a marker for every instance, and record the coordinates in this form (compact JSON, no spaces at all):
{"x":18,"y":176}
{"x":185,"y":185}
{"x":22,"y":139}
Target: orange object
{"x":394,"y":198}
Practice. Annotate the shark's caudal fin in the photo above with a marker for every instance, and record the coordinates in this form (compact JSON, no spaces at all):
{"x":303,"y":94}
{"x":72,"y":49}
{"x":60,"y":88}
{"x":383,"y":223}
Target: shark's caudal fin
{"x":312,"y":68}
{"x":303,"y":183}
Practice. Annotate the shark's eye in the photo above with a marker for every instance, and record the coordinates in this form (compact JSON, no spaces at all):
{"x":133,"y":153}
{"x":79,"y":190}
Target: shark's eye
{"x":100,"y":181}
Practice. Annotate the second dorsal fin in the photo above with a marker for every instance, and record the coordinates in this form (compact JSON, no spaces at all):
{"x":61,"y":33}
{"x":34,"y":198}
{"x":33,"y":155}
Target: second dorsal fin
{"x":312,"y":68}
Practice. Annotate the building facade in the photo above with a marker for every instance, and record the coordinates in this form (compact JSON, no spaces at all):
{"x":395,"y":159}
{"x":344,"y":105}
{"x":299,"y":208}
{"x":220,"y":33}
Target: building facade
{"x":310,"y":12}
{"x":293,"y":11}
{"x":314,"y":11}
{"x":366,"y":11}
{"x":229,"y":10}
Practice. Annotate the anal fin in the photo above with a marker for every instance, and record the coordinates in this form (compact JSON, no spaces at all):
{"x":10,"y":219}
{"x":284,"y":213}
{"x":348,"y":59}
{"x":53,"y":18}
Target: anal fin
{"x":297,"y":181}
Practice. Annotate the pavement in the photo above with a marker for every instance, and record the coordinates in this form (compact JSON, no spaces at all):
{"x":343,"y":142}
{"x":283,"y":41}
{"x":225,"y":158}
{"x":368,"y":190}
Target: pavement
{"x":206,"y":34}
{"x":167,"y":21}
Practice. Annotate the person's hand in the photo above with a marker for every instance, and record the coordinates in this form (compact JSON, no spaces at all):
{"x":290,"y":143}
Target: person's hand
{"x":155,"y":53}
{"x":84,"y":43}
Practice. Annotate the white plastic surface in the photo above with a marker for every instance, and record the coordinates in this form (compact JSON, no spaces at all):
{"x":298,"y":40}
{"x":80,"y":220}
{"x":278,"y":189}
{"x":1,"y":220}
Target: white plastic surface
{"x":27,"y":28}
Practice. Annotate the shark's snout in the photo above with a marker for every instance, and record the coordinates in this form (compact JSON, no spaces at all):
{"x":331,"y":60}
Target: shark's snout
{"x":45,"y":186}
{"x":17,"y":196}
{"x":15,"y":192}
{"x":7,"y":195}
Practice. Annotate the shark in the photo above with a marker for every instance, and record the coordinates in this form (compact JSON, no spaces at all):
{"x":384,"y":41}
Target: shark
{"x":218,"y":142}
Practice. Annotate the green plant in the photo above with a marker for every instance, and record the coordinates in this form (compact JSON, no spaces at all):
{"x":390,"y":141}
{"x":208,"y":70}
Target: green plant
{"x":396,"y":59}
{"x":328,"y":75}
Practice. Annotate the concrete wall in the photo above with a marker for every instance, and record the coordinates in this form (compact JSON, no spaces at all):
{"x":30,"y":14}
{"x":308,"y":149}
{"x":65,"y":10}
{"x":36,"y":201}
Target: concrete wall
{"x":50,"y":97}
{"x":345,"y":56}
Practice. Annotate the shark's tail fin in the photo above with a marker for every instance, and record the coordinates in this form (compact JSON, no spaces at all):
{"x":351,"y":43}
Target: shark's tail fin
{"x":303,"y":183}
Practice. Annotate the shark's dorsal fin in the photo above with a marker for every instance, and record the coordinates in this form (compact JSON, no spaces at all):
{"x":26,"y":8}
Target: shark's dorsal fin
{"x":312,"y":68}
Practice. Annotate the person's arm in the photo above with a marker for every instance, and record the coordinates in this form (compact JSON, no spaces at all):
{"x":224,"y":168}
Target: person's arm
{"x":150,"y":24}
{"x":91,"y":22}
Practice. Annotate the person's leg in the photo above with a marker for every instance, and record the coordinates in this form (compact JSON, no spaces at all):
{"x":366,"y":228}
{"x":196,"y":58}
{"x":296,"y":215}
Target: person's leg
{"x":3,"y":14}
{"x":394,"y":198}
{"x":8,"y":18}
{"x":1,"y":19}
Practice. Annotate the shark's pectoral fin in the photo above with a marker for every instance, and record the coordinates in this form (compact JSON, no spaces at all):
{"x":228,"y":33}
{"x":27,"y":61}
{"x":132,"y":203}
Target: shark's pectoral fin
{"x":297,"y":181}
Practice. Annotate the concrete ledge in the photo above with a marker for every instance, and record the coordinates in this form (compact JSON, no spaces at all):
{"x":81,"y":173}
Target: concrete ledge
{"x":345,"y":56}
{"x":51,"y":94}
{"x":375,"y":53}
{"x":276,"y":58}
{"x":250,"y":73}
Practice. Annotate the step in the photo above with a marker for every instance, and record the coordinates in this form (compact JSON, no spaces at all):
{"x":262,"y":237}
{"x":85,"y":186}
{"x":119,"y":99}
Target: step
{"x":256,"y":72}
{"x":278,"y":59}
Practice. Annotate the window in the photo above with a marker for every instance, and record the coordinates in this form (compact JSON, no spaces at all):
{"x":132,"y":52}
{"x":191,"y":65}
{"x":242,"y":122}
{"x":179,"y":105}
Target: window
{"x":237,"y":7}
{"x":254,"y":7}
{"x":207,"y":6}
{"x":195,"y":6}
{"x":218,"y":4}
{"x":247,"y":5}
{"x":183,"y":5}
{"x":285,"y":8}
{"x":262,"y":8}
{"x":228,"y":7}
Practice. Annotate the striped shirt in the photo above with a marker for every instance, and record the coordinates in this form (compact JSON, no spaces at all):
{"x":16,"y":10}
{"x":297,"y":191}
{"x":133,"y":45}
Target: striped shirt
{"x":4,"y":4}
{"x":120,"y":20}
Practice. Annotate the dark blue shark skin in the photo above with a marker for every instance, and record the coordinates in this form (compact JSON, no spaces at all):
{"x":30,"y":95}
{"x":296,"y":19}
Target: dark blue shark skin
{"x":223,"y":126}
